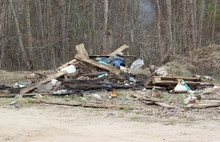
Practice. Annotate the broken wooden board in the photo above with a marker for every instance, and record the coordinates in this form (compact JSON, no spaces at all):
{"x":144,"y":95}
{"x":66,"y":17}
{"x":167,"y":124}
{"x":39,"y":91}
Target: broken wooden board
{"x":107,"y":56}
{"x":82,"y":51}
{"x":91,"y":105}
{"x":119,"y":51}
{"x":95,"y":84}
{"x":155,"y":102}
{"x":35,"y":85}
{"x":109,"y":68}
{"x":171,"y":81}
{"x":204,"y":104}
{"x":87,"y":68}
{"x":66,"y":64}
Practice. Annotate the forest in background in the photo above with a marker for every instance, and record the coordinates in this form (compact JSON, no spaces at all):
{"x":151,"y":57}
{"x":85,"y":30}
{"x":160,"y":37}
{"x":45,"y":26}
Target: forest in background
{"x":42,"y":34}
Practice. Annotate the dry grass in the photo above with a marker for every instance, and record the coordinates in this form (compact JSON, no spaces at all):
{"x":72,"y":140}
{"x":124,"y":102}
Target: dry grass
{"x":9,"y":78}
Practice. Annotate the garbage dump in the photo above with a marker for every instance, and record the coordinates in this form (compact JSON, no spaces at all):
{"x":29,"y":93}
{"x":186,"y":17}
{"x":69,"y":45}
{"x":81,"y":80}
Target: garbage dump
{"x":87,"y":78}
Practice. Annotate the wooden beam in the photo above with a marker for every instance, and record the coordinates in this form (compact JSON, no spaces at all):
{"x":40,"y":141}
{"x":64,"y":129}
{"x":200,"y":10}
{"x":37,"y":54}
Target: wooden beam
{"x":109,"y":68}
{"x":91,"y":105}
{"x":119,"y":51}
{"x":82,"y":51}
{"x":107,"y":56}
{"x":66,"y":64}
{"x":35,"y":85}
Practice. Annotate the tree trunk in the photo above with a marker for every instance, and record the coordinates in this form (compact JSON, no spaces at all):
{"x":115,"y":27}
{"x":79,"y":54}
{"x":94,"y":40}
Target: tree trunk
{"x":2,"y":42}
{"x":30,"y":45}
{"x":105,"y":48}
{"x":159,"y":30}
{"x":169,"y":22}
{"x":42,"y":34}
{"x":24,"y":55}
{"x":214,"y":17}
{"x":201,"y":20}
{"x":193,"y":28}
{"x":63,"y":27}
{"x":185,"y":15}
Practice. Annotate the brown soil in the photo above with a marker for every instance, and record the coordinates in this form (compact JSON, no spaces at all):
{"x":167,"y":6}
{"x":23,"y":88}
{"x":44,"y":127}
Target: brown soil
{"x":51,"y":123}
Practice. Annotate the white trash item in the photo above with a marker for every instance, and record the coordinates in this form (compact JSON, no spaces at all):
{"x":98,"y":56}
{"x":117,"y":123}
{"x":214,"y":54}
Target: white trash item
{"x":137,"y":64}
{"x":162,"y":71}
{"x":69,"y":69}
{"x":53,"y":81}
{"x":180,"y":88}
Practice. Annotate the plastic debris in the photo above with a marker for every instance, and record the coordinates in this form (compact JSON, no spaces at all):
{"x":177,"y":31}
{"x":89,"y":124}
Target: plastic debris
{"x":102,"y":75}
{"x":180,"y":88}
{"x":98,"y":97}
{"x":162,"y":71}
{"x":69,"y":69}
{"x":137,"y":64}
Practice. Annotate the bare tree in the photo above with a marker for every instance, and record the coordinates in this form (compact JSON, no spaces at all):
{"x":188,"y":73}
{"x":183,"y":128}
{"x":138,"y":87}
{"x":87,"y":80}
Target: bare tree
{"x":105,"y":25}
{"x":29,"y":34}
{"x":2,"y":45}
{"x":169,"y":22}
{"x":23,"y":52}
{"x":214,"y":17}
{"x":159,"y":30}
{"x":202,"y":7}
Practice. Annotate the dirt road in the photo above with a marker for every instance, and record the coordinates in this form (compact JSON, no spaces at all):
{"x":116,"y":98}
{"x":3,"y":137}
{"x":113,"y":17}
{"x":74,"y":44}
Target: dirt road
{"x":50,"y":123}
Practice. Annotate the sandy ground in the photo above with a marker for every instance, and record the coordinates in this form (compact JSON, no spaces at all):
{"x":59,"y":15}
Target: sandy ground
{"x":51,"y":123}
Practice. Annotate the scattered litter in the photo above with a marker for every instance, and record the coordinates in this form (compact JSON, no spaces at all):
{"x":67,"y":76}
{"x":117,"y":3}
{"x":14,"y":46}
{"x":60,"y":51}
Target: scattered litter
{"x":137,"y":64}
{"x":60,"y":92}
{"x":69,"y":69}
{"x":162,"y":71}
{"x":190,"y":100}
{"x":85,"y":76}
{"x":102,"y":75}
{"x":180,"y":88}
{"x":20,"y":85}
{"x":98,"y":97}
{"x":12,"y":103}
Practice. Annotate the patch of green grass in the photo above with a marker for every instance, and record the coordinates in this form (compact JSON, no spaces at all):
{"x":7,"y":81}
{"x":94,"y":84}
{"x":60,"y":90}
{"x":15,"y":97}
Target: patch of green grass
{"x":121,"y":96}
{"x":45,"y":97}
{"x":139,"y":112}
{"x":66,"y":98}
{"x":127,"y":109}
{"x":87,"y":97}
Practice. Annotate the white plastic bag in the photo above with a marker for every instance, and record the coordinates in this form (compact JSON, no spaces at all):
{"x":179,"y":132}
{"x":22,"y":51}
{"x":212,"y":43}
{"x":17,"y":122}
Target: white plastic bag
{"x":180,"y":88}
{"x":137,"y":64}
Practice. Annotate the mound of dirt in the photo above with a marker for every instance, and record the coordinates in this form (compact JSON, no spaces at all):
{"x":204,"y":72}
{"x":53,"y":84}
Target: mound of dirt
{"x":207,"y":60}
{"x":180,"y":68}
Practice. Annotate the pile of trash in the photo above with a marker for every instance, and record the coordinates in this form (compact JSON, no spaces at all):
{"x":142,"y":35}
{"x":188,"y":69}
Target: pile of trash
{"x":110,"y":73}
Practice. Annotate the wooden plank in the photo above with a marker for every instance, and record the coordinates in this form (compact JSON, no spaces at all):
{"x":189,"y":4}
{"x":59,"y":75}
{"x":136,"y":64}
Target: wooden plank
{"x":203,"y":105}
{"x":154,"y":102}
{"x":107,"y":56}
{"x":35,"y":85}
{"x":82,"y":51}
{"x":86,"y":68}
{"x":92,"y":105}
{"x":66,"y":64}
{"x":24,"y":95}
{"x":109,"y":68}
{"x":173,"y":83}
{"x":119,"y":51}
{"x":178,"y":78}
